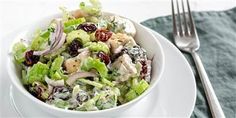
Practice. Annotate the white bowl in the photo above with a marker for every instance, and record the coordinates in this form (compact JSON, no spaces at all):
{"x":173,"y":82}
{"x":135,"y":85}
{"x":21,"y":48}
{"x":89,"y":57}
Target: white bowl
{"x":143,"y":37}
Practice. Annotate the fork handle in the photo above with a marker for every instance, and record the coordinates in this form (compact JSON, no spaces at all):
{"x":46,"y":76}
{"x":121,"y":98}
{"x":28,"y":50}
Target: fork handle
{"x":213,"y":102}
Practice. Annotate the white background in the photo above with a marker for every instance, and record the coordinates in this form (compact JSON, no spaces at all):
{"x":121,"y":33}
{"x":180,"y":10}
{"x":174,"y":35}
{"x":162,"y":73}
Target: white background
{"x":17,"y":13}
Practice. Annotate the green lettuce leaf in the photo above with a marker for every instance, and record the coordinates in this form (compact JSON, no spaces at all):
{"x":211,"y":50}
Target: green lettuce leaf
{"x":39,"y":42}
{"x":18,"y":52}
{"x":37,"y":72}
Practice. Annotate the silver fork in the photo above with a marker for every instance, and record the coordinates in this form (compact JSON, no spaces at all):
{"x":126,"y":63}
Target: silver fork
{"x":186,"y":39}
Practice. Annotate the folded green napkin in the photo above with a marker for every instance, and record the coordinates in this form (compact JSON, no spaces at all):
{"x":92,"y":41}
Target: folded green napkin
{"x":217,"y":34}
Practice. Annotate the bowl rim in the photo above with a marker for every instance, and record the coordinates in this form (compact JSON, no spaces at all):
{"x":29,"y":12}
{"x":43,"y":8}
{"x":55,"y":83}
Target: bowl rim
{"x":12,"y":74}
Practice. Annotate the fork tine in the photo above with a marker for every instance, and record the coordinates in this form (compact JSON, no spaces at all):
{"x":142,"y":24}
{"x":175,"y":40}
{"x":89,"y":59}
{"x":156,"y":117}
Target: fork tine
{"x":184,"y":17}
{"x":173,"y":18}
{"x":179,"y":19}
{"x":192,"y":25}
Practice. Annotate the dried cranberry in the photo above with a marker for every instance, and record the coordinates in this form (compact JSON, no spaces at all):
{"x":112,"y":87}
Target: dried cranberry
{"x":73,"y":47}
{"x":30,"y":59}
{"x":103,"y":35}
{"x":144,"y":68}
{"x":104,"y":57}
{"x":87,"y":27}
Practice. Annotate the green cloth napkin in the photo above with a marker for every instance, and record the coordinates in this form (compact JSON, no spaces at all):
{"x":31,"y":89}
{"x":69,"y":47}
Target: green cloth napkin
{"x":217,"y":34}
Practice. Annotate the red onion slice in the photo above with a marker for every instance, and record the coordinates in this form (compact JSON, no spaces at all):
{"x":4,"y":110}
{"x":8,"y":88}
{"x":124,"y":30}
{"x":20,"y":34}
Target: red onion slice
{"x":59,"y":45}
{"x":47,"y":50}
{"x":59,"y":34}
{"x":57,"y":40}
{"x":72,"y":78}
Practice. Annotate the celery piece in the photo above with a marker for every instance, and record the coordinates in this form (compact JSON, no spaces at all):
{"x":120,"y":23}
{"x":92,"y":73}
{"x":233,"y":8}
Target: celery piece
{"x":80,"y":35}
{"x":96,"y":84}
{"x":69,"y":29}
{"x":45,"y":34}
{"x":74,"y":22}
{"x":141,"y":87}
{"x":24,"y":78}
{"x":131,"y":95}
{"x":55,"y":67}
{"x":96,"y":47}
{"x":92,"y":63}
{"x":109,"y":83}
{"x":123,"y":89}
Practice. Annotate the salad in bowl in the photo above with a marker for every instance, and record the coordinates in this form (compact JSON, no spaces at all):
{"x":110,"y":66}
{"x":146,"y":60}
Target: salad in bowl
{"x":85,"y":60}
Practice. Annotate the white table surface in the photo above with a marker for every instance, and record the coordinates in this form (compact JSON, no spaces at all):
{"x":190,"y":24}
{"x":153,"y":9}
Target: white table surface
{"x":17,"y":13}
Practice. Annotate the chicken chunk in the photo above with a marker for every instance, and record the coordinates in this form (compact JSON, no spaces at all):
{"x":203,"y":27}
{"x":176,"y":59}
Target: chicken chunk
{"x":79,"y":13}
{"x":73,"y":64}
{"x":125,"y":67}
{"x":120,"y":39}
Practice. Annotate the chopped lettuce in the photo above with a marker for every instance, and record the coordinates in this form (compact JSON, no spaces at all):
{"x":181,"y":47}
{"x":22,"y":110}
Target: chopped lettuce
{"x":37,"y":72}
{"x":80,"y":35}
{"x":74,"y":22}
{"x":92,"y":63}
{"x":55,"y":69}
{"x":19,"y":52}
{"x":96,"y":47}
{"x":94,"y":9}
{"x":39,"y":42}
